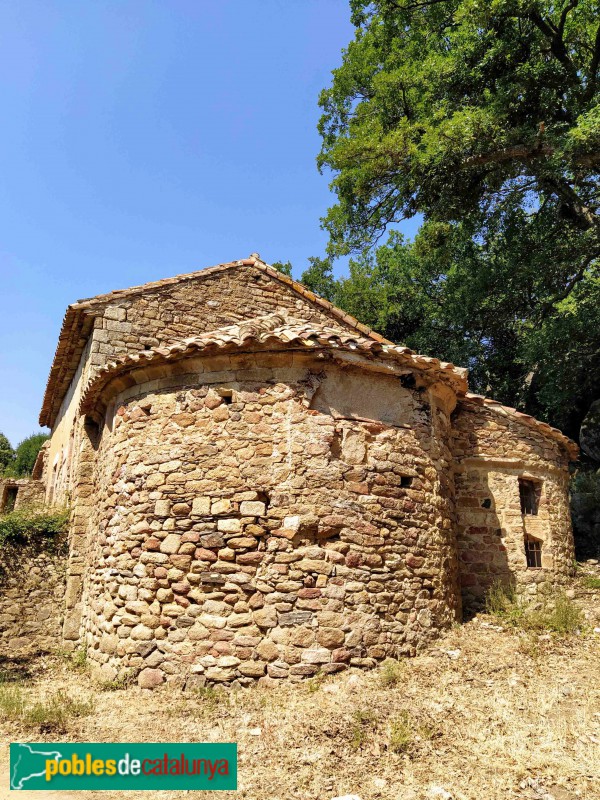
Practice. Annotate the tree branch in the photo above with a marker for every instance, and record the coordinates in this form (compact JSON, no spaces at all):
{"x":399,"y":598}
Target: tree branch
{"x":413,"y":6}
{"x":523,"y":152}
{"x":563,"y":17}
{"x":595,"y":63}
{"x":569,"y":286}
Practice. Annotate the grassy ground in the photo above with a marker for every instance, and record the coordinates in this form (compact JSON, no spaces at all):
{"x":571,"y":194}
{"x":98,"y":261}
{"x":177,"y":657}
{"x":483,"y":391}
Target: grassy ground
{"x":502,"y":707}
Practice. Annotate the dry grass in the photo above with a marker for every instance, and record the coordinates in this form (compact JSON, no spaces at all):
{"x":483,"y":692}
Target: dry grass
{"x":492,"y":711}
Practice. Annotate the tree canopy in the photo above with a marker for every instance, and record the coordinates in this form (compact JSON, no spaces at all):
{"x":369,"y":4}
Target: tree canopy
{"x":26,"y":454}
{"x":458,"y":107}
{"x":484,"y":118}
{"x":7,"y":453}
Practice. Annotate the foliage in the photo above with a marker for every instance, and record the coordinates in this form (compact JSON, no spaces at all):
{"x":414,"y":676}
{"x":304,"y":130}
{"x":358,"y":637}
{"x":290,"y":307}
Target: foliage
{"x":49,"y":715}
{"x":401,"y":733}
{"x":559,"y":614}
{"x":283,"y":266}
{"x":123,"y":681}
{"x":484,"y":118}
{"x":586,"y":485}
{"x":391,"y":672}
{"x":318,"y":277}
{"x":363,"y":723}
{"x":25,"y":455}
{"x":590,"y":582}
{"x":456,"y":107}
{"x":7,"y":454}
{"x":27,"y":523}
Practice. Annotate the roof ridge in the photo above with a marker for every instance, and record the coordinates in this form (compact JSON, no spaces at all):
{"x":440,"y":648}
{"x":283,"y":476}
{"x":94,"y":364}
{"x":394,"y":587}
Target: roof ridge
{"x":527,"y":419}
{"x":252,"y":261}
{"x":77,"y":312}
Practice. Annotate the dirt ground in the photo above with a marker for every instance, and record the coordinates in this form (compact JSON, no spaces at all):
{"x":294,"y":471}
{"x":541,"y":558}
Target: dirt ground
{"x":490,"y":713}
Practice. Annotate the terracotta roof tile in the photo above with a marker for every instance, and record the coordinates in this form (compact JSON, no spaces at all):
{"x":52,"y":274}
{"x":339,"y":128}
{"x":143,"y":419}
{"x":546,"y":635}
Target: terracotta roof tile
{"x":277,"y":329}
{"x":77,"y":324}
{"x":542,"y":427}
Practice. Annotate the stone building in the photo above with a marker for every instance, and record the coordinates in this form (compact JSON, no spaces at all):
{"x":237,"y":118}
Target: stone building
{"x":262,"y":486}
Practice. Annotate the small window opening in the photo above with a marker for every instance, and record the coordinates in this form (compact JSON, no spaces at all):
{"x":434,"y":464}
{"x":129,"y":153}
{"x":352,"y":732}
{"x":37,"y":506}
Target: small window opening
{"x":408,"y":381}
{"x":533,"y":552}
{"x":487,"y":503}
{"x":92,"y":428}
{"x":226,"y":396}
{"x":9,"y":499}
{"x":529,"y":496}
{"x":405,"y":481}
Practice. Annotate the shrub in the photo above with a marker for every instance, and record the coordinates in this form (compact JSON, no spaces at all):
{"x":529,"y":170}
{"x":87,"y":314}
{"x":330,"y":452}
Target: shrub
{"x":22,"y":525}
{"x":391,"y":672}
{"x":559,"y":614}
{"x":362,"y":723}
{"x":502,"y":601}
{"x":563,"y":616}
{"x":401,"y":733}
{"x":50,"y":714}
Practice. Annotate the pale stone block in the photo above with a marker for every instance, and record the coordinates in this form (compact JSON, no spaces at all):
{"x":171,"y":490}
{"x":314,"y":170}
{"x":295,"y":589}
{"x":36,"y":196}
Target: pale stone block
{"x":229,"y":525}
{"x":170,"y":544}
{"x":201,"y":506}
{"x":252,"y":508}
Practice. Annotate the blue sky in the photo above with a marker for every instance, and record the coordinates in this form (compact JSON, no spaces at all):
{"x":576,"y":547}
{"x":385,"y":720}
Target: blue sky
{"x":141,"y":139}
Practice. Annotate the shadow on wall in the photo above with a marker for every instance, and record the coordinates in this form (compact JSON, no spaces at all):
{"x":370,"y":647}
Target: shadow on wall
{"x":483,"y":555}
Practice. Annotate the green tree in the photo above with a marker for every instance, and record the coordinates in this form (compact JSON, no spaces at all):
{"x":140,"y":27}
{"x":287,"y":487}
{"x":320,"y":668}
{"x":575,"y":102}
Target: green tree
{"x":318,"y":277}
{"x":283,"y":266}
{"x":7,"y":453}
{"x":27,"y":452}
{"x":485,"y":119}
{"x":454,"y":108}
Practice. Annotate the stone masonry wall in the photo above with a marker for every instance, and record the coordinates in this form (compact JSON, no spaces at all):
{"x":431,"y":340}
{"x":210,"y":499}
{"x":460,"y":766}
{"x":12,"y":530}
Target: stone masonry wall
{"x":163,"y":315}
{"x":173,"y":312}
{"x":492,"y":452}
{"x":32,"y":584}
{"x":29,"y":492}
{"x":263,"y":515}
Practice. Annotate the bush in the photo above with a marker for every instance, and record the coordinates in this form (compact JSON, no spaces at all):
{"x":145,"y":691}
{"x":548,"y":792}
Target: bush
{"x":22,"y":525}
{"x":391,"y":672}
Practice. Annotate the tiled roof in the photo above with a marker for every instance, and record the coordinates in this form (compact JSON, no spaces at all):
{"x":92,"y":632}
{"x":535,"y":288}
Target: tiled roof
{"x":278,"y":329}
{"x":79,"y":317}
{"x":542,"y":427}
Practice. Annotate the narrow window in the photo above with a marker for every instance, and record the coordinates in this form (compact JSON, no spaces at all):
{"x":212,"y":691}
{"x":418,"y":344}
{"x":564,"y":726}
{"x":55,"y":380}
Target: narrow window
{"x":529,"y":496}
{"x":10,"y":498}
{"x":533,"y":552}
{"x":405,"y":481}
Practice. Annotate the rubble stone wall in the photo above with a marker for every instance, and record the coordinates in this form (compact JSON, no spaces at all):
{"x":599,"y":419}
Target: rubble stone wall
{"x":492,"y":452}
{"x":29,"y":492}
{"x":175,"y":311}
{"x":266,"y":515}
{"x":32,"y":587}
